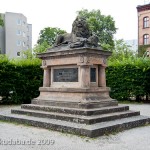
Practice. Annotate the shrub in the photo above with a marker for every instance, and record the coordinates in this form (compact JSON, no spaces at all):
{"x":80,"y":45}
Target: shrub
{"x":19,"y":80}
{"x":129,"y":78}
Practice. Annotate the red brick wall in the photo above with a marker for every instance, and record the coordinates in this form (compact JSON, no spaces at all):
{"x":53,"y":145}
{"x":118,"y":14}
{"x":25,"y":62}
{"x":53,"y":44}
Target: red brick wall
{"x":141,"y":30}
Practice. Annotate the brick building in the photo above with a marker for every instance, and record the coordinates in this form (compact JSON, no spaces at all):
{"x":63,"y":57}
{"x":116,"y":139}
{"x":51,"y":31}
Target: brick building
{"x":144,"y":27}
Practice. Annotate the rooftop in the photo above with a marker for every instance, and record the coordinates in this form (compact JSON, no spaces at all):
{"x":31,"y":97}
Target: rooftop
{"x":143,"y":7}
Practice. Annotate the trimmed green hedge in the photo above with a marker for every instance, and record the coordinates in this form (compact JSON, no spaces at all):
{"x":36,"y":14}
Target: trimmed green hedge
{"x":19,"y":80}
{"x":129,"y":78}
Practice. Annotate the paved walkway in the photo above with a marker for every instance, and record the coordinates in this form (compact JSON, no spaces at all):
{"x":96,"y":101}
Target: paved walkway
{"x":20,"y":137}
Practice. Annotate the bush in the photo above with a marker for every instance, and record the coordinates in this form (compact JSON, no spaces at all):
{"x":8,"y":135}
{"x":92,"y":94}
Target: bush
{"x":19,"y":80}
{"x":129,"y":78}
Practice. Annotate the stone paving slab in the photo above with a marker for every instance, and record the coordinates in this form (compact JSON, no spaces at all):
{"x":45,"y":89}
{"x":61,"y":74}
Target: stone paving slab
{"x":133,"y":139}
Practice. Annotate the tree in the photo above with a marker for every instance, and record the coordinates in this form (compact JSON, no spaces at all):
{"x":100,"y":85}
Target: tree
{"x":100,"y":25}
{"x":121,"y":51}
{"x":27,"y":54}
{"x":1,"y":21}
{"x":49,"y":34}
{"x":39,"y":48}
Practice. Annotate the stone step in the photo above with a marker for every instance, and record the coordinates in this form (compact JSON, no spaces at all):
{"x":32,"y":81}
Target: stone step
{"x":76,"y":111}
{"x":77,"y":104}
{"x":77,"y":118}
{"x":93,"y":130}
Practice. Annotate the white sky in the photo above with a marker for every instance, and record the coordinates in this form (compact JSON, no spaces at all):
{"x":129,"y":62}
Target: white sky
{"x":61,"y":13}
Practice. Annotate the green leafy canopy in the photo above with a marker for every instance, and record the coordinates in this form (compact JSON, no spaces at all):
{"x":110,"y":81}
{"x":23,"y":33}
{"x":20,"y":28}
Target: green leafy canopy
{"x":49,"y":34}
{"x":100,"y":25}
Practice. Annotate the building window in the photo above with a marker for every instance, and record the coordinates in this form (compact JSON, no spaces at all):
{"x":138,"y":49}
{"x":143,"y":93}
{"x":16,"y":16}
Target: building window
{"x":146,"y":22}
{"x":24,"y":44}
{"x":146,"y":39}
{"x":18,"y":43}
{"x":24,"y":23}
{"x":19,"y":22}
{"x":18,"y":32}
{"x":28,"y":28}
{"x":27,"y":46}
{"x":148,"y":53}
{"x":24,"y":34}
{"x":18,"y":53}
{"x":28,"y":38}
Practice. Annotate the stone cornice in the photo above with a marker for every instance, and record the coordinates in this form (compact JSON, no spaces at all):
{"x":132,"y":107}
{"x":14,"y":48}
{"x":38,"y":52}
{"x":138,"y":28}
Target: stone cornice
{"x":75,"y":51}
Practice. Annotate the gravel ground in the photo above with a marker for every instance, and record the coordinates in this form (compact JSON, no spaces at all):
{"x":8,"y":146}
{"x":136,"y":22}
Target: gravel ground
{"x":21,"y":137}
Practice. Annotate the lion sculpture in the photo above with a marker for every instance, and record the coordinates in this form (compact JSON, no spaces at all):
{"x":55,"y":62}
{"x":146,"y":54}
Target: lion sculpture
{"x":79,"y":37}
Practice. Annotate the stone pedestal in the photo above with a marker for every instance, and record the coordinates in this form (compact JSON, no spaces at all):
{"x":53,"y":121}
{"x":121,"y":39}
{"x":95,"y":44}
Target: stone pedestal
{"x":74,"y":78}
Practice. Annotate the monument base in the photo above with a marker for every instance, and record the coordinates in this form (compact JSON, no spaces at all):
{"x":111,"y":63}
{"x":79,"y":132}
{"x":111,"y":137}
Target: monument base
{"x":75,"y":97}
{"x":91,"y":122}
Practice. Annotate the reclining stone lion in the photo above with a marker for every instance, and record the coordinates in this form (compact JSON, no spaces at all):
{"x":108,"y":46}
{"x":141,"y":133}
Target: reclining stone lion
{"x":79,"y":37}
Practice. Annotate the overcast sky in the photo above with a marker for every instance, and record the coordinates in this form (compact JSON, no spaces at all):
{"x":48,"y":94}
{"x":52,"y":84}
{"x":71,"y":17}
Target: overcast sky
{"x":61,"y":13}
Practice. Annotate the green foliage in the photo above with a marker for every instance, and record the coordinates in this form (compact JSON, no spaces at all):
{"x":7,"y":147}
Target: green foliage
{"x":39,"y":48}
{"x":142,"y":49}
{"x":1,"y":21}
{"x":27,"y":54}
{"x":100,"y":25}
{"x":19,"y":80}
{"x":129,"y":78}
{"x":121,"y":51}
{"x":48,"y":35}
{"x":3,"y":58}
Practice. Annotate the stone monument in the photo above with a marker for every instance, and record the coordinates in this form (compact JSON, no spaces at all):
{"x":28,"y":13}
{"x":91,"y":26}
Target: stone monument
{"x":74,"y":71}
{"x":74,"y":97}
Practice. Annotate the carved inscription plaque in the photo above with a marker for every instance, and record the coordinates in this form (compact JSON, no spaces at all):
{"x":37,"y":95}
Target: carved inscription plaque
{"x":93,"y":74}
{"x":66,"y":75}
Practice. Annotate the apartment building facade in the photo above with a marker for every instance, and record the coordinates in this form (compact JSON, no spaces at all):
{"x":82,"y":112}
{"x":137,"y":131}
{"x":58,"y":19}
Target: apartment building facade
{"x":144,"y":27}
{"x":15,"y":35}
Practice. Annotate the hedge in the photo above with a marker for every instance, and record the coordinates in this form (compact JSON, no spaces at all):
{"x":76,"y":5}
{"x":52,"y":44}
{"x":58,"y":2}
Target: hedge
{"x":129,"y":79}
{"x":19,"y":80}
